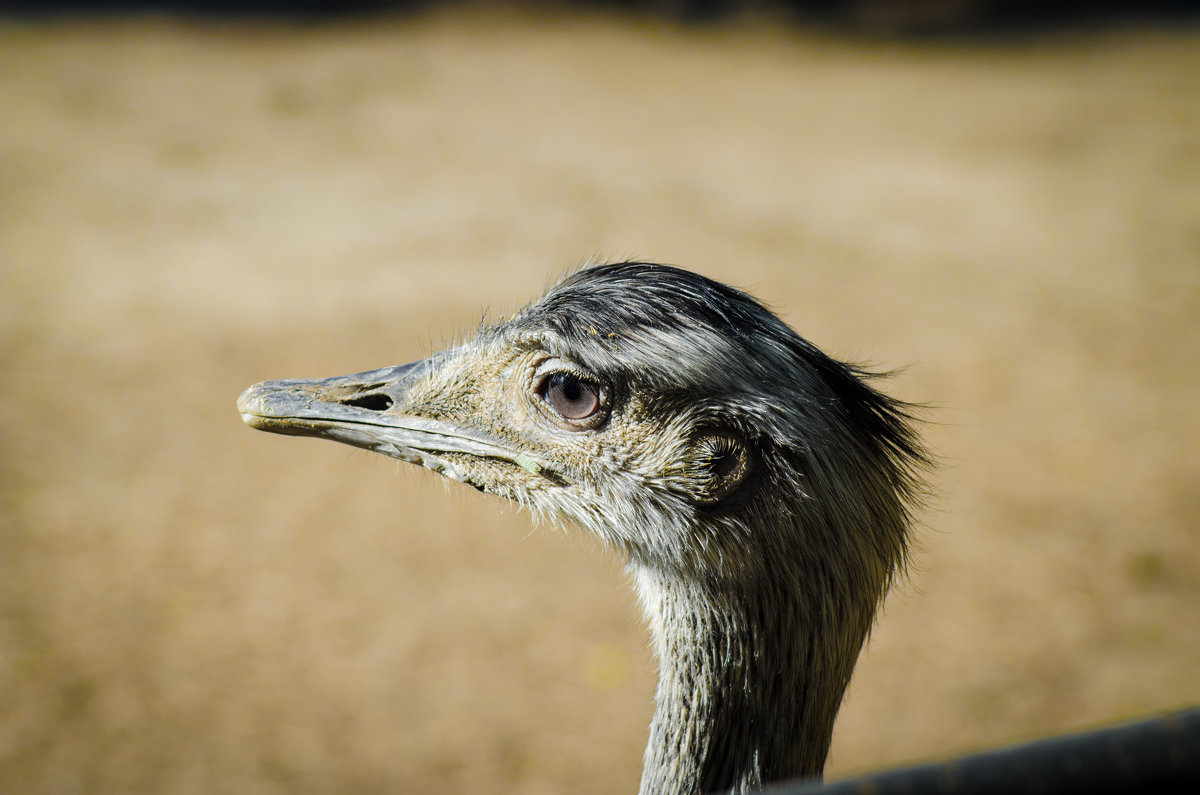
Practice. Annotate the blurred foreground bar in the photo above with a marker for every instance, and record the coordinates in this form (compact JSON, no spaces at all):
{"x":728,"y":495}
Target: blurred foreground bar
{"x":877,"y":16}
{"x":1155,"y":757}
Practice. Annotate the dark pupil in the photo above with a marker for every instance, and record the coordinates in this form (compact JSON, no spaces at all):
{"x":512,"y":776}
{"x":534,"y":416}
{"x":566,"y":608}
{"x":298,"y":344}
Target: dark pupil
{"x":571,"y":389}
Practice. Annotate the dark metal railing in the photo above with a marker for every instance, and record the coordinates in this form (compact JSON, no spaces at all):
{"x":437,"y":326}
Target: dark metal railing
{"x":1155,"y":756}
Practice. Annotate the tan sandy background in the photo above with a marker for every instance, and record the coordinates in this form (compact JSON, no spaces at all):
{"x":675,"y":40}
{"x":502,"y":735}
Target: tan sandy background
{"x":187,"y":606}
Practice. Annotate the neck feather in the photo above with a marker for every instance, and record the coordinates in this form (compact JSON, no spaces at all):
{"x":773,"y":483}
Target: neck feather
{"x":748,"y":688}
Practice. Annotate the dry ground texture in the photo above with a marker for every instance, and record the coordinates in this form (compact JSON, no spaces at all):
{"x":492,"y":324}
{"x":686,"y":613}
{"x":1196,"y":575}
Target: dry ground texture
{"x":187,"y":606}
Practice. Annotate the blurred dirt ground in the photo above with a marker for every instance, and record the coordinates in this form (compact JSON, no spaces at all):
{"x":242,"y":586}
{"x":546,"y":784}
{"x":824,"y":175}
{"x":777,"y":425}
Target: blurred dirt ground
{"x":187,"y":606}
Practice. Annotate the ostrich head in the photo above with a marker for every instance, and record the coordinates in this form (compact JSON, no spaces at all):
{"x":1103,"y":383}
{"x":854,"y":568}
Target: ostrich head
{"x":759,"y":489}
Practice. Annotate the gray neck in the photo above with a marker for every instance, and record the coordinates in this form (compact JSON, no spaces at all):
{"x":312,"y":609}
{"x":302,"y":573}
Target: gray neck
{"x":748,"y":687}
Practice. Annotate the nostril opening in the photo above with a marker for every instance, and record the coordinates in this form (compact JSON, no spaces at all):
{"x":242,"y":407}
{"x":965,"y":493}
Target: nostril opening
{"x":375,"y":402}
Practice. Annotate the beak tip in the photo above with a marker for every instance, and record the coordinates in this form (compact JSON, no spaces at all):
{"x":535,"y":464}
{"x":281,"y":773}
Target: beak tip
{"x":251,"y":405}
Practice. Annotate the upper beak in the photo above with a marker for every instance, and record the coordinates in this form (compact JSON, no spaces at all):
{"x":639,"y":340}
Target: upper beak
{"x":367,"y":410}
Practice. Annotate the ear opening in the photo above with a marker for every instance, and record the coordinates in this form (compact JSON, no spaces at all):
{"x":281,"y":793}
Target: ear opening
{"x":719,"y":469}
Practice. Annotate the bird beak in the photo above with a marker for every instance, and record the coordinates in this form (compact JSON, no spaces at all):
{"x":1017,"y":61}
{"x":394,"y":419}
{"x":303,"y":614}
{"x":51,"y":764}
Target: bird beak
{"x":366,"y":410}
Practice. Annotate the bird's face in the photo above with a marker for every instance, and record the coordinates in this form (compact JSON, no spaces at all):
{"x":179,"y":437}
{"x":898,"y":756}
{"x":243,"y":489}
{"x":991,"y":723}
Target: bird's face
{"x":672,"y":416}
{"x":515,"y":413}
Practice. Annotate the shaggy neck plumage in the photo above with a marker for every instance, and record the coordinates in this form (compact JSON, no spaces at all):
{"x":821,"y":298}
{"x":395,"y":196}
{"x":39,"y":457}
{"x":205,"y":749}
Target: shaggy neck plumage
{"x":748,"y":687}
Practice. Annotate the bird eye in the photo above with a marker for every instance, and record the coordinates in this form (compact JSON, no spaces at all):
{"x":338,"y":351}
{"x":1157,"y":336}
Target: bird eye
{"x":573,"y":398}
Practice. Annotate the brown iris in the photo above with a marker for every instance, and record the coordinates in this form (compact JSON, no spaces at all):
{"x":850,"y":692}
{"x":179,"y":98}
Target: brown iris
{"x":573,"y":398}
